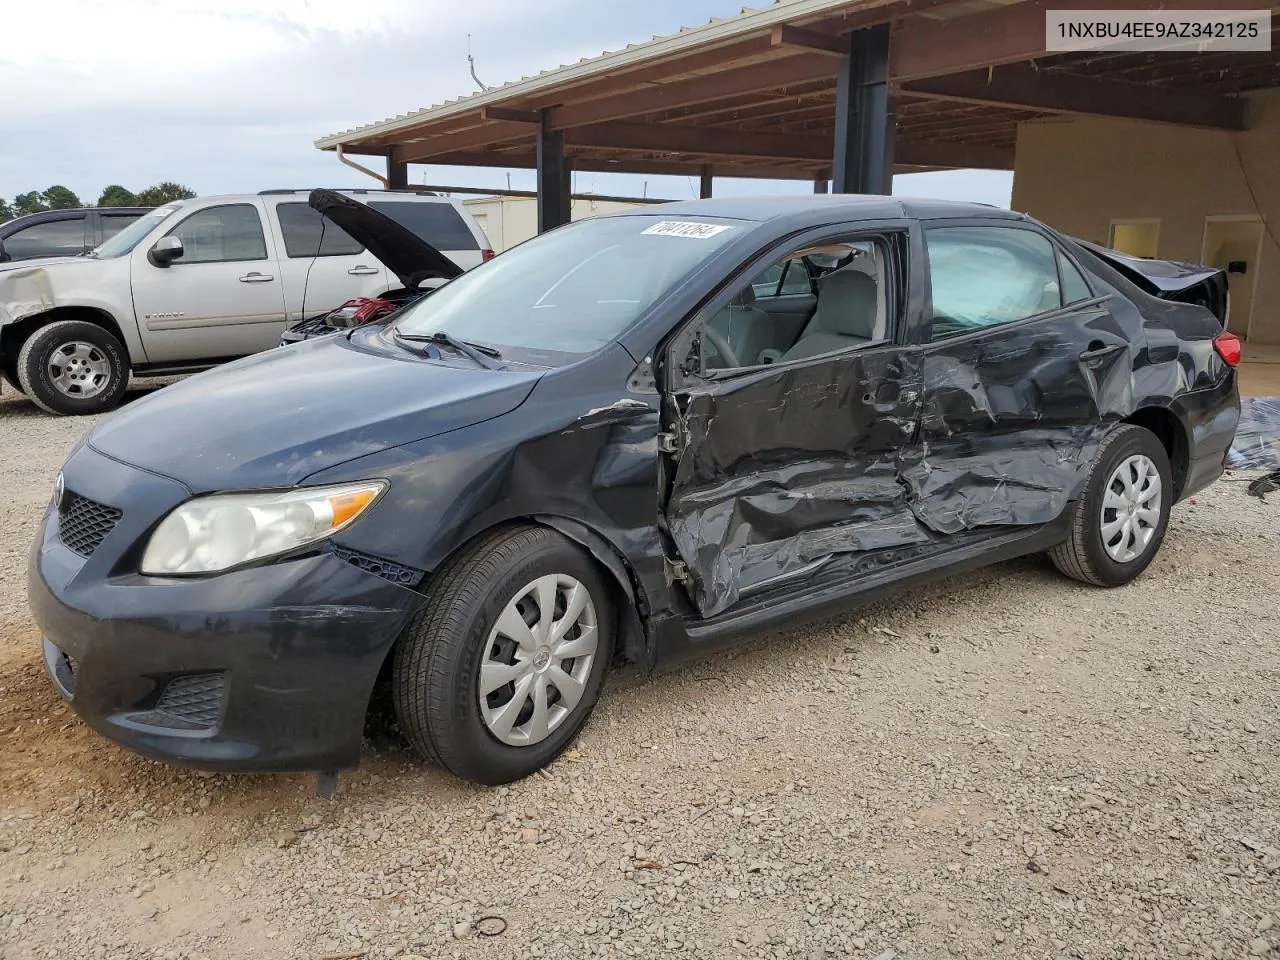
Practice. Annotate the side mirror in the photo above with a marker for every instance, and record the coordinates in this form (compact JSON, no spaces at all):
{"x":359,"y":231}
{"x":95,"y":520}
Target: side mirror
{"x":4,"y":255}
{"x":432,"y":283}
{"x":165,"y":251}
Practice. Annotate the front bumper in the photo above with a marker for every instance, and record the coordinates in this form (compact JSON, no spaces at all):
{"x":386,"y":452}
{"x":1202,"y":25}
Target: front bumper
{"x":269,"y":668}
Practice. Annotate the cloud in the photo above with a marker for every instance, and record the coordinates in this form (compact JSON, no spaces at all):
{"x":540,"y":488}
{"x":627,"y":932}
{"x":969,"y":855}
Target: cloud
{"x":229,"y":95}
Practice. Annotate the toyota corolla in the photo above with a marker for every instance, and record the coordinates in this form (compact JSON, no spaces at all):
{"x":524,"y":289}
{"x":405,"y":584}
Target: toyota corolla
{"x":634,"y":437}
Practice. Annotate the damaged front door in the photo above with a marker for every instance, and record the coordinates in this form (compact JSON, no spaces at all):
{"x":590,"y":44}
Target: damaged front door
{"x":784,"y":462}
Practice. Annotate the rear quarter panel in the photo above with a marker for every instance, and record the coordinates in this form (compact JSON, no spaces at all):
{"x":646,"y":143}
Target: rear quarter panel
{"x":1176,"y":368}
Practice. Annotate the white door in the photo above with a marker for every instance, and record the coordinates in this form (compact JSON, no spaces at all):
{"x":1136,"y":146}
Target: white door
{"x":222,"y":298}
{"x":320,"y":265}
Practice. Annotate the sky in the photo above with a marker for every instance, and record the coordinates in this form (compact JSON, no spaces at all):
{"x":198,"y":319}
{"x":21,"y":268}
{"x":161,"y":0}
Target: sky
{"x":228,"y":96}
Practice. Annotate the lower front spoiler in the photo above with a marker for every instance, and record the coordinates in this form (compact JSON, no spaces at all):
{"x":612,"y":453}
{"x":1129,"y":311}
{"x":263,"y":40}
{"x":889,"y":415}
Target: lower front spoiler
{"x":263,"y":670}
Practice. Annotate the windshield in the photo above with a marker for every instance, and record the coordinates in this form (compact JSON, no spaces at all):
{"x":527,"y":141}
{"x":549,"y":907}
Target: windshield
{"x":132,"y":235}
{"x":570,"y":291}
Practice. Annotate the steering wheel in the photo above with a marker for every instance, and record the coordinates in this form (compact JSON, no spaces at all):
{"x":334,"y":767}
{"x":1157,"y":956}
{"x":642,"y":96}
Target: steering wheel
{"x":722,"y":347}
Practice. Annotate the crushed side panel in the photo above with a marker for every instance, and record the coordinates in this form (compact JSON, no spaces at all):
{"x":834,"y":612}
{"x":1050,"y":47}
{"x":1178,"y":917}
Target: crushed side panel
{"x":779,"y":472}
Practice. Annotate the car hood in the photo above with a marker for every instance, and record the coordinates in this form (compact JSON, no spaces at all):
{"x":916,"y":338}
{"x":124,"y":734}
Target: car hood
{"x":405,"y":254}
{"x":273,"y":419}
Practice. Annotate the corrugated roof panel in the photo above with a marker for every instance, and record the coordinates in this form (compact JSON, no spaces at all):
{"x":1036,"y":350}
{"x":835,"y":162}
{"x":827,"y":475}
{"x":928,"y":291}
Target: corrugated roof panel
{"x":717,"y":28}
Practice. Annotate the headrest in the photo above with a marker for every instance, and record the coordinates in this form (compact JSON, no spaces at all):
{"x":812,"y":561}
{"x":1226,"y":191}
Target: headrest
{"x":847,"y":302}
{"x":745,"y":297}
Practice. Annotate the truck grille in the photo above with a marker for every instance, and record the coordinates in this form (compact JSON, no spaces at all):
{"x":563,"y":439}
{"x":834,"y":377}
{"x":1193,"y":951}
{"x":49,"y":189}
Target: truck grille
{"x":84,"y":523}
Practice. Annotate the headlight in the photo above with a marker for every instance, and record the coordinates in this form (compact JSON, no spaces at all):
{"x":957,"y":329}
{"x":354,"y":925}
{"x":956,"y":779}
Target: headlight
{"x":214,"y":533}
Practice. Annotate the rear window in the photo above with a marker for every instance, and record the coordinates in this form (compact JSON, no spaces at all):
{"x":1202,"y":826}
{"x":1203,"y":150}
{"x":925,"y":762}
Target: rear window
{"x":308,"y":234}
{"x":436,"y":223}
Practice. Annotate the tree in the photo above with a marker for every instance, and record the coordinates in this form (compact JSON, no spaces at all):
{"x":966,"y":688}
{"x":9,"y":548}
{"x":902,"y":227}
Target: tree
{"x":165,"y":192}
{"x":6,"y":211}
{"x":32,"y":202}
{"x":59,"y":197}
{"x":117,"y":196}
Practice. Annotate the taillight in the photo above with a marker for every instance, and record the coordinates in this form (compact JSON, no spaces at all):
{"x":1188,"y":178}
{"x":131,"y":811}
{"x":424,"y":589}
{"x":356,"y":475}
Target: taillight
{"x":487,"y":255}
{"x":1228,"y":347}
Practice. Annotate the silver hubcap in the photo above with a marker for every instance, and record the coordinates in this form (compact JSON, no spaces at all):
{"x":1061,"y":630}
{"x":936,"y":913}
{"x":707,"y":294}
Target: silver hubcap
{"x":1131,"y":509}
{"x":537,"y":660}
{"x":79,"y":369}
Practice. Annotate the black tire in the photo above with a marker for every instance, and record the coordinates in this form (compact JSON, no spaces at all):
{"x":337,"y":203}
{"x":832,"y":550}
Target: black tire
{"x":40,"y":347}
{"x":436,"y":672}
{"x":1083,"y":555}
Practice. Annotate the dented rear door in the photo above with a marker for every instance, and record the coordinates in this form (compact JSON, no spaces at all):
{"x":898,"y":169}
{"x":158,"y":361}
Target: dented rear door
{"x":1014,"y":407}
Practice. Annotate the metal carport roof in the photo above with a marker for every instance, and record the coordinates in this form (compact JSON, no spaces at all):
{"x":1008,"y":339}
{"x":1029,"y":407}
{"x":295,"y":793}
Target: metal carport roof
{"x":755,"y":94}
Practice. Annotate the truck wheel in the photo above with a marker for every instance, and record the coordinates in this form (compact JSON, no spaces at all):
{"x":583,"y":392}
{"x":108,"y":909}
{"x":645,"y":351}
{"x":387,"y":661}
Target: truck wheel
{"x":504,"y":663}
{"x":73,"y":367}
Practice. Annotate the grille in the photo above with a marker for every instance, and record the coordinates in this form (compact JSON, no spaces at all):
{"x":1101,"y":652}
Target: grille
{"x":83,"y":523}
{"x":196,"y":698}
{"x":386,"y":569}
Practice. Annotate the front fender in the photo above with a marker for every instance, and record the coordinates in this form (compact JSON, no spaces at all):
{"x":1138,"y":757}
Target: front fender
{"x":84,"y":284}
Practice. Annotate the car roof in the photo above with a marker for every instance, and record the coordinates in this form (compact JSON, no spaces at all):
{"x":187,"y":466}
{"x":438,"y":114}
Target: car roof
{"x":853,"y":206}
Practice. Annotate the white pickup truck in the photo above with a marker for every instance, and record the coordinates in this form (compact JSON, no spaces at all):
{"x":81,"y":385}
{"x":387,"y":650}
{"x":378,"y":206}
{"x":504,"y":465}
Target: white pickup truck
{"x":196,"y":283}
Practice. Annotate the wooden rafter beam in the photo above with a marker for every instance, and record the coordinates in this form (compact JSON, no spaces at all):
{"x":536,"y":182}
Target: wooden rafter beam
{"x":669,"y":138}
{"x":1024,"y":87}
{"x":679,"y":168}
{"x":485,"y":136}
{"x":509,"y":115}
{"x":769,"y":75}
{"x":786,"y":35}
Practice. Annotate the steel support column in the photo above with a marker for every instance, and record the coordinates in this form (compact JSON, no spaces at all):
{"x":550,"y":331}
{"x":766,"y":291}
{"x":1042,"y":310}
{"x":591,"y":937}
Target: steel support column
{"x":554,"y":186}
{"x":397,"y":175}
{"x":704,"y":184}
{"x":863,"y":161}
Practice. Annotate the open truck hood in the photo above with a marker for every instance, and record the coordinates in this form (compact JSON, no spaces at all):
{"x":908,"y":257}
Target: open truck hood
{"x":405,"y":254}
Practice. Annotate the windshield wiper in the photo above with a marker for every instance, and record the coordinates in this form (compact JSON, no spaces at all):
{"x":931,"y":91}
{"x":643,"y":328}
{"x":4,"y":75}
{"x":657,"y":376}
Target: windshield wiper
{"x":483,"y":355}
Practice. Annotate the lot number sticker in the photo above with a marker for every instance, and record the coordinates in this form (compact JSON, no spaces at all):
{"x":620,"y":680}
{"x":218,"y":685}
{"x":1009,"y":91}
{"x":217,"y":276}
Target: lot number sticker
{"x":684,"y":228}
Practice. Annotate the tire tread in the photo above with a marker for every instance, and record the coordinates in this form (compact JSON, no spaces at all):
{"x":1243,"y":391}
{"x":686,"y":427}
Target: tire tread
{"x":1071,"y":557}
{"x":52,"y":331}
{"x":434,"y":638}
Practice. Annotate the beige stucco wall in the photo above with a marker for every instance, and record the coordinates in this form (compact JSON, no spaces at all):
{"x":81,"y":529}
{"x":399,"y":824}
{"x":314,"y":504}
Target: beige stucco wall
{"x":1079,"y":174}
{"x":511,"y":220}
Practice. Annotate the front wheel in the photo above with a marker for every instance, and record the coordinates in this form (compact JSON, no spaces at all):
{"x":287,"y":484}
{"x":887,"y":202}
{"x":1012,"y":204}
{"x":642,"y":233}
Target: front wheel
{"x":73,"y":367}
{"x":1121,"y":520}
{"x":500,"y":669}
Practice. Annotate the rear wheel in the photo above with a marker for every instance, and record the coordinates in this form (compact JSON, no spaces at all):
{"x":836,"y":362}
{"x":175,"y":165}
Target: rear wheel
{"x":495,"y":676}
{"x":73,"y":367}
{"x":1120,"y":522}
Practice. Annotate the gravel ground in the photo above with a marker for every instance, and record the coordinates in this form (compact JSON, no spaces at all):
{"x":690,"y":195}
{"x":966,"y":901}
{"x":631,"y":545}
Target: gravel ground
{"x":1008,"y":764}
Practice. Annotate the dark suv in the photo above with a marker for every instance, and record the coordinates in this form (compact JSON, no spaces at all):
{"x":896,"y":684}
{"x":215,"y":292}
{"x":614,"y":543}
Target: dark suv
{"x":63,"y":233}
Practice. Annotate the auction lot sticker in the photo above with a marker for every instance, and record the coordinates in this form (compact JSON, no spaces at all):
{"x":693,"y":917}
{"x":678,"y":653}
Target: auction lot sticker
{"x":686,"y":228}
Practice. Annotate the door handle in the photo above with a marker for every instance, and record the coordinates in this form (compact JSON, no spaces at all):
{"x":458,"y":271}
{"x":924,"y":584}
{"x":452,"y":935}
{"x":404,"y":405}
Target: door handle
{"x":1097,"y":350}
{"x":363,"y":271}
{"x":256,"y":277}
